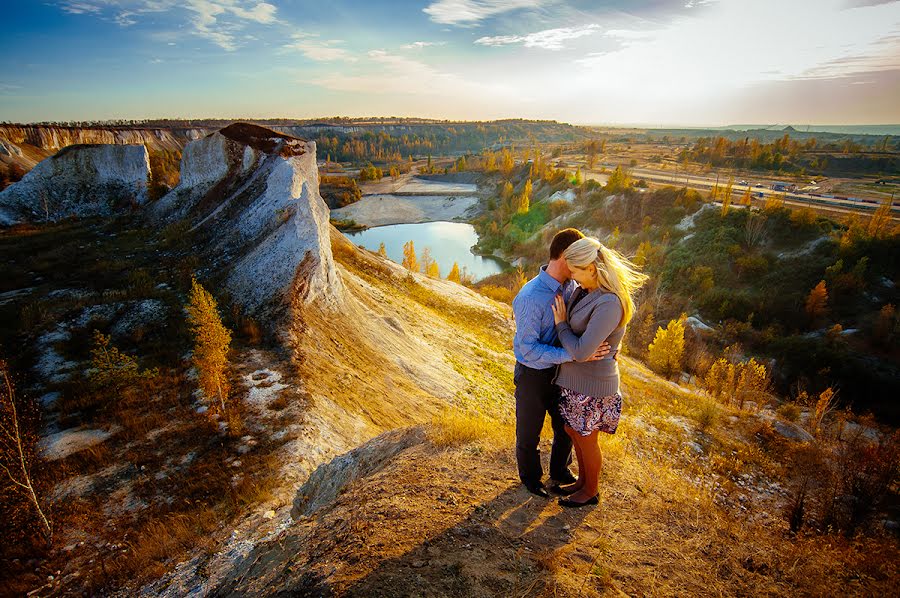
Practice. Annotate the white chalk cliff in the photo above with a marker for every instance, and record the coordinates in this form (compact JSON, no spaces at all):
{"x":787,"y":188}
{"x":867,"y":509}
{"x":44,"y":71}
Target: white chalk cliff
{"x":80,"y":180}
{"x":253,"y":196}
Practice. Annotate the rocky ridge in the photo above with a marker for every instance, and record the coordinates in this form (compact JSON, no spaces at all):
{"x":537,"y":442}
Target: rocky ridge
{"x":80,"y":180}
{"x":253,"y":196}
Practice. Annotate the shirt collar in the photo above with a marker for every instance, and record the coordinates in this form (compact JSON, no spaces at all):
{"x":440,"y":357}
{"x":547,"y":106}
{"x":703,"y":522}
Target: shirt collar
{"x":551,"y":283}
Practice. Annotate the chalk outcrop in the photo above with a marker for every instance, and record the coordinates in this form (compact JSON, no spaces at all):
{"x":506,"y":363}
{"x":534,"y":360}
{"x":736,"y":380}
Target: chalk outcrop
{"x":253,"y":195}
{"x":80,"y":180}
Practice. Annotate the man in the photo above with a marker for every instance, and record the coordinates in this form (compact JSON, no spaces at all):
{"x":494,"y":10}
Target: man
{"x":537,"y":355}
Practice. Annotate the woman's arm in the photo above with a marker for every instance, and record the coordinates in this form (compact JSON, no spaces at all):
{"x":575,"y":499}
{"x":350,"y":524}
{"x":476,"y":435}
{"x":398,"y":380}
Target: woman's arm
{"x":604,"y":318}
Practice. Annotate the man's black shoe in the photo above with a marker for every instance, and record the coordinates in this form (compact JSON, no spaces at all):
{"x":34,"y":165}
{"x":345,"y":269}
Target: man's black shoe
{"x":565,"y":480}
{"x":538,"y":490}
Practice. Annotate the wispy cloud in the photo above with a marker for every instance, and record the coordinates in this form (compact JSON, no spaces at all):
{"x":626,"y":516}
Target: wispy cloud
{"x":471,"y":12}
{"x":319,"y":50}
{"x":218,"y":21}
{"x":549,"y":39}
{"x":420,"y":45}
{"x":79,"y":8}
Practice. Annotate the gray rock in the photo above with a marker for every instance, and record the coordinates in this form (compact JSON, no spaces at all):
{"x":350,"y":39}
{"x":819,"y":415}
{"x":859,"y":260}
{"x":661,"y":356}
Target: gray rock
{"x":792,"y":431}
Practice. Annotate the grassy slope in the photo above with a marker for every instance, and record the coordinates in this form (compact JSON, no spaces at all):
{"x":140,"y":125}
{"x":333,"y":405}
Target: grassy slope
{"x":692,"y":502}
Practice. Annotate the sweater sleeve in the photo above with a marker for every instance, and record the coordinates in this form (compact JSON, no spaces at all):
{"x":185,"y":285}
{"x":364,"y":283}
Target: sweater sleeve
{"x":604,"y":318}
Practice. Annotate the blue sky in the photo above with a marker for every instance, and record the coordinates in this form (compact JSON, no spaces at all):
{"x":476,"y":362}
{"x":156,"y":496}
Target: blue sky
{"x":655,"y":62}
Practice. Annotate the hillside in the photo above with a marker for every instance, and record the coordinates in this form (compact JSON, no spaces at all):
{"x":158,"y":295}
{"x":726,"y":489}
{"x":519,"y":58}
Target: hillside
{"x":366,"y":445}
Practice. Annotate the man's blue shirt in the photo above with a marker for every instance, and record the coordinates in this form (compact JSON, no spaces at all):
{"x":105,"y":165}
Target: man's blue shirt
{"x":535,"y":343}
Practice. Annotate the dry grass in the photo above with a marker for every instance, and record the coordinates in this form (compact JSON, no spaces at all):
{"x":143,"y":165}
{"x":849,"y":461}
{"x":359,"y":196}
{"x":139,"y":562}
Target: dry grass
{"x":455,"y":427}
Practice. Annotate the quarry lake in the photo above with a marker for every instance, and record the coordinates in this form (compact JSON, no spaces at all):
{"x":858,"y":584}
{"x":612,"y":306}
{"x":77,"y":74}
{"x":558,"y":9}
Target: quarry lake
{"x":448,"y":242}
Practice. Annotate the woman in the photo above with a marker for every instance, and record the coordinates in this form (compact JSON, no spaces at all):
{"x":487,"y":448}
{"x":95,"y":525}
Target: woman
{"x":598,"y":311}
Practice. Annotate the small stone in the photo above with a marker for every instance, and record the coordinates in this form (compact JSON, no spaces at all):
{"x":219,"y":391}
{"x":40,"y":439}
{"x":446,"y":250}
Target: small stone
{"x":418,"y":564}
{"x":270,"y":514}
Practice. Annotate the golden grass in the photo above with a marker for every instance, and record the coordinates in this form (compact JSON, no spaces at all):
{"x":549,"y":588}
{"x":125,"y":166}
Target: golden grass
{"x":455,"y":427}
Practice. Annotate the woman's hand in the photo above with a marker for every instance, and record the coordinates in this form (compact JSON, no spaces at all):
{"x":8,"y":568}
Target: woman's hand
{"x":559,"y":309}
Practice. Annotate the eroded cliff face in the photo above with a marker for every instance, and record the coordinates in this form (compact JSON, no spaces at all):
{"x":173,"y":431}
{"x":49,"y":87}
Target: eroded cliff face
{"x":80,"y":180}
{"x":18,"y":139}
{"x":253,"y":195}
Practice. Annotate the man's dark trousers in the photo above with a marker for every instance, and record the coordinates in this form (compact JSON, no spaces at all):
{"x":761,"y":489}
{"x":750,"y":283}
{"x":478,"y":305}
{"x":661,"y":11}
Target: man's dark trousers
{"x":536,"y":395}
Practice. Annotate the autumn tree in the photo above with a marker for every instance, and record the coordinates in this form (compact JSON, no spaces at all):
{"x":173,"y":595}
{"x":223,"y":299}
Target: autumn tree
{"x":211,"y":343}
{"x":381,"y":250}
{"x":524,"y":203}
{"x":746,"y":198}
{"x":18,"y":452}
{"x":507,"y":163}
{"x":454,"y":273}
{"x":578,"y":178}
{"x":666,"y":352}
{"x":726,"y":196}
{"x":409,"y":257}
{"x":618,"y":181}
{"x":881,"y":219}
{"x":461,"y":165}
{"x":817,"y":302}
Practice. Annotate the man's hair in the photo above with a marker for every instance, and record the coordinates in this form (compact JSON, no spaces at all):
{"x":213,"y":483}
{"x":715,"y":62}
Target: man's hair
{"x":562,"y":240}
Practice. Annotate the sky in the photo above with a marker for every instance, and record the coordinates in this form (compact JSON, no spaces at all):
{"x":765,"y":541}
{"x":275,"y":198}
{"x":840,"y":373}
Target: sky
{"x":647,"y":62}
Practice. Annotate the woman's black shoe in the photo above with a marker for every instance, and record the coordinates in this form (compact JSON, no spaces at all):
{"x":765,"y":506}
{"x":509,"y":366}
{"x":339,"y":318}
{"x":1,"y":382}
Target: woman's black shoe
{"x":557,"y":489}
{"x":565,"y":502}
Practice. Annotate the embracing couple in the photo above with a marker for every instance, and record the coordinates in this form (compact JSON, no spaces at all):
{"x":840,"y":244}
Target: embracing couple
{"x":570,"y":320}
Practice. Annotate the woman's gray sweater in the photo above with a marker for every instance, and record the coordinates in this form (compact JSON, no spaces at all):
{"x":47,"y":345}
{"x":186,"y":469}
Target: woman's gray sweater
{"x":594,"y":319}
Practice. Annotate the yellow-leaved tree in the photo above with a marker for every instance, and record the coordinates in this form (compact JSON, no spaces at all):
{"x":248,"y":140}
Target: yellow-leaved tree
{"x":382,"y":251}
{"x":211,"y":343}
{"x":454,"y":273}
{"x":409,"y":257}
{"x":666,"y":352}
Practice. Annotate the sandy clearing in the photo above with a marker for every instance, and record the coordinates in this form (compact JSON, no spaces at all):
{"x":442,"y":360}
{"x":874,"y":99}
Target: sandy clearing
{"x":380,"y":210}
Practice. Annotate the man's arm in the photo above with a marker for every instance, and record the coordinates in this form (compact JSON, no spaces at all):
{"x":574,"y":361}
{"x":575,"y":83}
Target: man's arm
{"x":528,"y":346}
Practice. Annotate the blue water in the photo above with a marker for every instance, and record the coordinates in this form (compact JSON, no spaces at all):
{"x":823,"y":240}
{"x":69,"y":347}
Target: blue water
{"x":448,"y":242}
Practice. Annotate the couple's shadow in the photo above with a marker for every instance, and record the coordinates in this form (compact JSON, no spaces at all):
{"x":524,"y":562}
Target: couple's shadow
{"x":503,"y":547}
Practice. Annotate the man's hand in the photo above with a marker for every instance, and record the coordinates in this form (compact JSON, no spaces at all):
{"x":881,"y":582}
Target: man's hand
{"x":602,"y":351}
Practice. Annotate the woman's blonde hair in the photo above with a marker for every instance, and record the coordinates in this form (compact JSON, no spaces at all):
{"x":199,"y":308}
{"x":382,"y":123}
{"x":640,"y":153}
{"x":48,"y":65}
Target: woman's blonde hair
{"x":615,"y":273}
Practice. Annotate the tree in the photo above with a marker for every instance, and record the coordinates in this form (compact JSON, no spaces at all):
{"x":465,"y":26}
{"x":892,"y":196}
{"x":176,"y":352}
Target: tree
{"x":746,"y":197}
{"x":433,"y":270}
{"x":817,"y":301}
{"x":579,"y":178}
{"x":618,"y":181}
{"x":211,"y":343}
{"x":18,"y":450}
{"x":880,"y":221}
{"x":524,"y":203}
{"x":428,"y":263}
{"x":454,"y":273}
{"x":409,"y":257}
{"x":506,"y":162}
{"x":726,"y":196}
{"x":461,"y":165}
{"x":112,"y":369}
{"x":382,"y":251}
{"x":666,"y":352}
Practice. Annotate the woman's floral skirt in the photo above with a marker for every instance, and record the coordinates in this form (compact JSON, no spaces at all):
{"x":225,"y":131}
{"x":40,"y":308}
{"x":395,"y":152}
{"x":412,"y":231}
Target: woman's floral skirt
{"x":586,"y":414}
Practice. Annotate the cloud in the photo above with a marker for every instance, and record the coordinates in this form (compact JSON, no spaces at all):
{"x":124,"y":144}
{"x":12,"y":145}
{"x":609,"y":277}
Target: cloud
{"x":420,"y":45}
{"x":549,"y":39}
{"x":471,"y":12}
{"x":319,"y":50}
{"x":79,"y":8}
{"x":219,"y":21}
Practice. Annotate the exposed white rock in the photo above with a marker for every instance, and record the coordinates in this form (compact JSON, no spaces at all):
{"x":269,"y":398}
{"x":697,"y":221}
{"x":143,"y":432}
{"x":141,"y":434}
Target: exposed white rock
{"x":255,"y":192}
{"x":568,"y":196}
{"x":80,"y":180}
{"x":62,"y":444}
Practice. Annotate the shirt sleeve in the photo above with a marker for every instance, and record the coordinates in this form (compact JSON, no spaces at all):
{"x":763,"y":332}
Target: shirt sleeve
{"x":529,"y":348}
{"x":605,"y":318}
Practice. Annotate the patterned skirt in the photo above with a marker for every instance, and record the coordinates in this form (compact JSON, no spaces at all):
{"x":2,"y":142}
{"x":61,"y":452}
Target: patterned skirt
{"x":586,"y":414}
